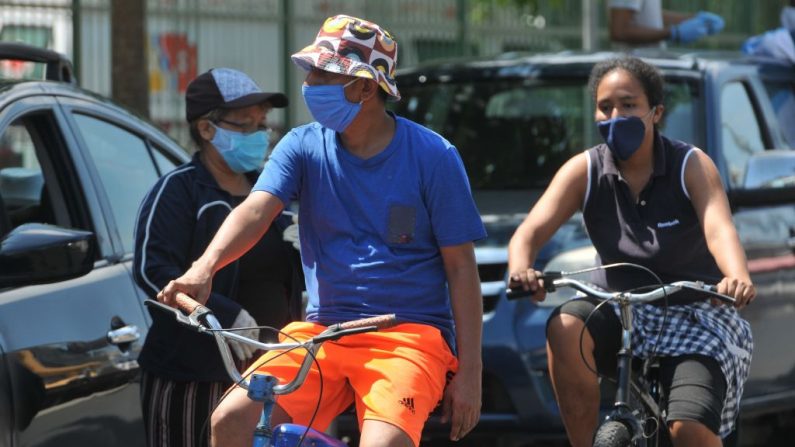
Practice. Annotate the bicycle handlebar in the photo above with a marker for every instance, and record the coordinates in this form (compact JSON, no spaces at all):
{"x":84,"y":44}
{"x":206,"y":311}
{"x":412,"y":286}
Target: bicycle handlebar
{"x":201,"y":319}
{"x":554,"y":280}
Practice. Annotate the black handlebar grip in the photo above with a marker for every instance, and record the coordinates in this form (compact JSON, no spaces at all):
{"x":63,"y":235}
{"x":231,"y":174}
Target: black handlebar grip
{"x":380,"y":322}
{"x":514,"y":293}
{"x":517,"y":292}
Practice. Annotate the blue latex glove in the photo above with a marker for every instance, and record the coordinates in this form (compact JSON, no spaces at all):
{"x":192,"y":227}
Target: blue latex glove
{"x":689,"y":30}
{"x":715,"y":23}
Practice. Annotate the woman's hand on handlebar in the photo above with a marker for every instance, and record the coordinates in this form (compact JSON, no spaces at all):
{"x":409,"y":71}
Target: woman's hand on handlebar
{"x":742,"y":290}
{"x":196,"y":283}
{"x":527,"y":279}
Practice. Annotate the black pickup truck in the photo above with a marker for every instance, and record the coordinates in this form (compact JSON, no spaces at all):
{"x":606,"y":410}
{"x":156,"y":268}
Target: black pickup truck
{"x":516,"y":119}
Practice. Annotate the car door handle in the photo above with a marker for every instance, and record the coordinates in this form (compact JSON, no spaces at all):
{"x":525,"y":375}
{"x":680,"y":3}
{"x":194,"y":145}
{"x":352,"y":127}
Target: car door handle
{"x":125,"y":334}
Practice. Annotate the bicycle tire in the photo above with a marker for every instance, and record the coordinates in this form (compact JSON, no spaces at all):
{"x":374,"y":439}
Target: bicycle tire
{"x":612,"y":434}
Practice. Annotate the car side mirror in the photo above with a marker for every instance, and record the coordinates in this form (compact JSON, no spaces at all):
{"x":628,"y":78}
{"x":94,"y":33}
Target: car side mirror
{"x":769,"y":180}
{"x":39,"y":254}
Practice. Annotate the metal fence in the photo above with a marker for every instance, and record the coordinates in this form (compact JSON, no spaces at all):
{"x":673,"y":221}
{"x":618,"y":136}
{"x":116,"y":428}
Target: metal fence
{"x":187,"y":37}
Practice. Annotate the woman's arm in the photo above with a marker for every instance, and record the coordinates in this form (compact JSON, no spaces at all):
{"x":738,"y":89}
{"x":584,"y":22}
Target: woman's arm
{"x":562,"y":198}
{"x":712,"y":207}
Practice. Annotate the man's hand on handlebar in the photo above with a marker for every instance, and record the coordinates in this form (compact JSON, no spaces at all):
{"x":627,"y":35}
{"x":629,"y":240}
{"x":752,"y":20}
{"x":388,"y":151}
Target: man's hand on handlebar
{"x":528,"y":280}
{"x":742,"y":290}
{"x":196,"y":283}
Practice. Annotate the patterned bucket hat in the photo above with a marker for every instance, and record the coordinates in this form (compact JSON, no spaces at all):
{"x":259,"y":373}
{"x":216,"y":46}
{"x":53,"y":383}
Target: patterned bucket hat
{"x":354,"y":47}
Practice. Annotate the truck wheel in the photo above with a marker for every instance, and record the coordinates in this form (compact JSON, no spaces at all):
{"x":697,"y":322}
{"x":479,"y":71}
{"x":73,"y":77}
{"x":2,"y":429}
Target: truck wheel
{"x":612,"y":434}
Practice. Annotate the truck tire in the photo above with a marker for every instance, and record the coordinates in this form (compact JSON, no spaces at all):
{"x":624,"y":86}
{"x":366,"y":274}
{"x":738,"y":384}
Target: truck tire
{"x":612,"y":434}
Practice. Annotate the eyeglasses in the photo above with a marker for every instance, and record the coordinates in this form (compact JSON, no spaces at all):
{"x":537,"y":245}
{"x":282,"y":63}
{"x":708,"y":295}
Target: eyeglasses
{"x":244,"y":127}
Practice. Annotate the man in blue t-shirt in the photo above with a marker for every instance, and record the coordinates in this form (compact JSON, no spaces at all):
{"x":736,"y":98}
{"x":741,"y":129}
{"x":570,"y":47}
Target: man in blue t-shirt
{"x":387,"y":224}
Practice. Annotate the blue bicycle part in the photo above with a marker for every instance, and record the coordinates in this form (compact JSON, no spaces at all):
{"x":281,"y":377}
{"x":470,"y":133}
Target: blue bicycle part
{"x":287,"y":435}
{"x":260,"y":389}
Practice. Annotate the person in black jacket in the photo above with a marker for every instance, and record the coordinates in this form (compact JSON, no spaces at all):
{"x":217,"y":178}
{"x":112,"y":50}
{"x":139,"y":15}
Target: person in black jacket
{"x":182,"y":373}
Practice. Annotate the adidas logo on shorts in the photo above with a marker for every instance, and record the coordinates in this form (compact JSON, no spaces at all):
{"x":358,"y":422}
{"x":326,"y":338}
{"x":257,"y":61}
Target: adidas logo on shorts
{"x":408,"y":402}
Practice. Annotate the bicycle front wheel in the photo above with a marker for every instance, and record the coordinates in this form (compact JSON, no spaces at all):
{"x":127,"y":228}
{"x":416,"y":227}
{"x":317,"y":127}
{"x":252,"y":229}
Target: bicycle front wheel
{"x":612,"y":434}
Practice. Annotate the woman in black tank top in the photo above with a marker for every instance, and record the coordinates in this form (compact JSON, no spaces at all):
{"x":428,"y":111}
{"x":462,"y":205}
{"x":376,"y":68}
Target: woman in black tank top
{"x":660,"y":203}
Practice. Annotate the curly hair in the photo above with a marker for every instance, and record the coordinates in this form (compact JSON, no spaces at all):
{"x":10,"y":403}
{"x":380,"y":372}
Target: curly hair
{"x":647,"y":74}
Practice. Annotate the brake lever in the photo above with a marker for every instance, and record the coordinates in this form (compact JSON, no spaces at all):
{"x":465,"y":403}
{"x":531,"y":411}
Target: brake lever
{"x":335,"y":332}
{"x":193,"y":321}
{"x":178,"y":315}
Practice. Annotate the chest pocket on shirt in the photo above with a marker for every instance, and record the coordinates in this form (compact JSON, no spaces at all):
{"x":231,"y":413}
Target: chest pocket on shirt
{"x":400,"y":226}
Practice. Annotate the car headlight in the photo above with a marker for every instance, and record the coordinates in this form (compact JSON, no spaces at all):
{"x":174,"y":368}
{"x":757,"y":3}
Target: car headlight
{"x":568,"y":261}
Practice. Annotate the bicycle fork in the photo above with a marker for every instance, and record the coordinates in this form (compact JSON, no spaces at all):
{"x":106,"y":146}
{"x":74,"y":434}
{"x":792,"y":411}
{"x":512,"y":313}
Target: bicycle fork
{"x":260,"y":389}
{"x":622,"y":410}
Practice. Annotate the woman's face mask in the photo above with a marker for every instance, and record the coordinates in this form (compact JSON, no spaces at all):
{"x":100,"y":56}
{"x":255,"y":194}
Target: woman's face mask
{"x":329,"y":106}
{"x":623,"y":134}
{"x":241,"y":152}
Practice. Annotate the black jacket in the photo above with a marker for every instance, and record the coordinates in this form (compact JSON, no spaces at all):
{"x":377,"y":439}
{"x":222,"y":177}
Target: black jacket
{"x":177,"y":220}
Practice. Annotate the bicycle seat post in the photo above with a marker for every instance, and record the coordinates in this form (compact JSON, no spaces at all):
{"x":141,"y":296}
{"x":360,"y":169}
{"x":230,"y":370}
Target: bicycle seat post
{"x":261,"y":390}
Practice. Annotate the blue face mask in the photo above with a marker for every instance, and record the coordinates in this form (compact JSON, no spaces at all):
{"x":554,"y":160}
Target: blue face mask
{"x":242,"y":152}
{"x":623,"y":134}
{"x":329,"y":106}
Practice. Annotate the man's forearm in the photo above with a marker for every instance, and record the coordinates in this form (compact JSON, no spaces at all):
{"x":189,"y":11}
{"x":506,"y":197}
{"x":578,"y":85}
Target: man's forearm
{"x":467,"y":304}
{"x":469,"y":329}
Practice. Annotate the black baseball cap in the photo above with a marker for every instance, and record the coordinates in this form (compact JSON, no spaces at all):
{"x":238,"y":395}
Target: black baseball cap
{"x":226,"y":88}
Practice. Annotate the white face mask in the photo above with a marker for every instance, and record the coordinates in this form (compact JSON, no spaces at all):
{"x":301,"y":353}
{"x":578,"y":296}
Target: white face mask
{"x":788,"y":17}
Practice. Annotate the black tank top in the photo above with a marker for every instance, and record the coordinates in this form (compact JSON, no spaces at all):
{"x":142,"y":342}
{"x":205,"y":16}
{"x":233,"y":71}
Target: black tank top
{"x":660,"y":231}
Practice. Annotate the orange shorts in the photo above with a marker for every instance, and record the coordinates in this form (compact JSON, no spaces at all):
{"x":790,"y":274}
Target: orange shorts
{"x":395,"y":375}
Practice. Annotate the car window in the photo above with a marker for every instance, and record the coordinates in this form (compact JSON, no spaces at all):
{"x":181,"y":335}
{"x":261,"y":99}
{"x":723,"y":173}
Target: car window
{"x":516,"y":133}
{"x":165,"y":163}
{"x":510,"y":134}
{"x":125,"y":169}
{"x":22,"y":186}
{"x":782,"y":97}
{"x":740,"y":130}
{"x":682,"y":119}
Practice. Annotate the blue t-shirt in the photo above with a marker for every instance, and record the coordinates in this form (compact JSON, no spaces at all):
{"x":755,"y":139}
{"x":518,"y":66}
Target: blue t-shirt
{"x":371,"y":230}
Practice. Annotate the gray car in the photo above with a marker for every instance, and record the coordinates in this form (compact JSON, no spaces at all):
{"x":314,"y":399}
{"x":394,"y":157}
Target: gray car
{"x":73,"y":169}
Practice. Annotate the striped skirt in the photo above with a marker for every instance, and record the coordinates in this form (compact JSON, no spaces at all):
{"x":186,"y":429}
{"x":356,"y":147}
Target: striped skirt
{"x":176,"y":413}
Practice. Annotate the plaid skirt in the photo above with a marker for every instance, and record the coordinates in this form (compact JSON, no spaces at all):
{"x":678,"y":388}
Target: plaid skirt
{"x":700,"y":328}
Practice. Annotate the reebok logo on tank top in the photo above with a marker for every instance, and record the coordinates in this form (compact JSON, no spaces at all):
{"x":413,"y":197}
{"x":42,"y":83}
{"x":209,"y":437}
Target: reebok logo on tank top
{"x":668,"y":224}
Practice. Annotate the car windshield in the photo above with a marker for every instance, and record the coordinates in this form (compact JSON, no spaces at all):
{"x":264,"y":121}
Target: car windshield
{"x":513,"y":134}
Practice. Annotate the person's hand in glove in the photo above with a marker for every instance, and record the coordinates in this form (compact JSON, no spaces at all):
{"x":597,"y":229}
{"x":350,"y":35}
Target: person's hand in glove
{"x":690,"y":30}
{"x":290,"y":234}
{"x":703,"y":24}
{"x":714,"y":22}
{"x":244,"y":351}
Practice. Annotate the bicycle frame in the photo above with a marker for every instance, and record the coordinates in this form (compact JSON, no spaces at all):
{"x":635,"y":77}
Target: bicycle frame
{"x":624,"y":411}
{"x":264,"y":388}
{"x":622,"y":408}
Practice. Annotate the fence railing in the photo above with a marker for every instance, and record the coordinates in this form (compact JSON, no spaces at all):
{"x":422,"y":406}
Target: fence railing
{"x":187,"y":37}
